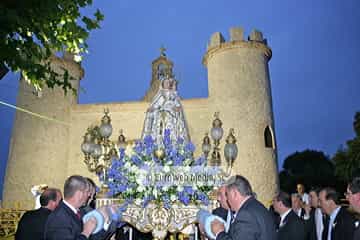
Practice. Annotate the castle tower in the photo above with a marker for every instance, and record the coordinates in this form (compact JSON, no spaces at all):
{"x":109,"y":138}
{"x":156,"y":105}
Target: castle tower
{"x":39,"y":147}
{"x":239,"y":88}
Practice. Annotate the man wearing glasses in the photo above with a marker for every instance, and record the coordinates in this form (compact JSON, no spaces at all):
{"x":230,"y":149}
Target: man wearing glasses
{"x":353,"y":196}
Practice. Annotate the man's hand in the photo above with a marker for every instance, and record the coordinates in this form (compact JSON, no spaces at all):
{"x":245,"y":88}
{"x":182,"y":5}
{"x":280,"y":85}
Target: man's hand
{"x":89,"y":227}
{"x":201,"y":229}
{"x":105,"y":213}
{"x":217,"y":227}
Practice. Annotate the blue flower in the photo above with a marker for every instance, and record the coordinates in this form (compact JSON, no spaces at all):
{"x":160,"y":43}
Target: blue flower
{"x":167,"y":132}
{"x":173,"y":153}
{"x":203,"y":198}
{"x":179,"y":160}
{"x":121,"y":188}
{"x":184,"y":198}
{"x":179,"y":141}
{"x":136,"y":160}
{"x":149,"y":145}
{"x":122,"y":153}
{"x":146,"y":201}
{"x":200,"y":161}
{"x":148,"y":141}
{"x":189,"y":147}
{"x":117,"y":163}
{"x":121,"y":179}
{"x":189,"y":190}
{"x":138,"y":147}
{"x":167,"y":139}
{"x":166,"y":201}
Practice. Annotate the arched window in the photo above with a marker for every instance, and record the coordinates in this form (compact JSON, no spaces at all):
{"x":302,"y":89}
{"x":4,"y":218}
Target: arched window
{"x":268,"y":136}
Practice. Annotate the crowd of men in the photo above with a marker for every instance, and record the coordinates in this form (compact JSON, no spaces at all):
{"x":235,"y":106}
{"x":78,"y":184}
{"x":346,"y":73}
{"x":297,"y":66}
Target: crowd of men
{"x":298,"y":216}
{"x":317,"y":215}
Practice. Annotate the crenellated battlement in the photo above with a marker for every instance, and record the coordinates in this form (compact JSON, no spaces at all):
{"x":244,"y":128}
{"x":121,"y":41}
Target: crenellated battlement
{"x":236,"y":34}
{"x":254,"y":40}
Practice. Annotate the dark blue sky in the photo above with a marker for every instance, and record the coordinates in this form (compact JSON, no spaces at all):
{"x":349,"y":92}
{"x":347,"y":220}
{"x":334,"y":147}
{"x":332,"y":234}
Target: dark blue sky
{"x":314,"y":71}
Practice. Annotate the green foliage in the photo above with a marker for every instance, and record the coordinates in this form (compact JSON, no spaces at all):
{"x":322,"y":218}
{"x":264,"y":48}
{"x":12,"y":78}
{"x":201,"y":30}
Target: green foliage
{"x":347,"y":159}
{"x":310,"y":167}
{"x":32,"y":30}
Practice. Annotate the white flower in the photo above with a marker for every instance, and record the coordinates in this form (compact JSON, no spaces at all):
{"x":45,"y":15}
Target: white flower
{"x":127,"y":164}
{"x":134,"y":169}
{"x":137,"y":201}
{"x":187,"y":169}
{"x":166,"y":169}
{"x":155,"y":193}
{"x":141,"y":188}
{"x":180,"y":188}
{"x":173,"y":197}
{"x":140,"y":180}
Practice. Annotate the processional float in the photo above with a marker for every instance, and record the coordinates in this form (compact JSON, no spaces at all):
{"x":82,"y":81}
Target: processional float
{"x":158,"y":179}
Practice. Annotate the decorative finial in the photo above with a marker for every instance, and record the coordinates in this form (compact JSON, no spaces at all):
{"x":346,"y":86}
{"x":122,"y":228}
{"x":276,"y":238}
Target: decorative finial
{"x":162,"y":51}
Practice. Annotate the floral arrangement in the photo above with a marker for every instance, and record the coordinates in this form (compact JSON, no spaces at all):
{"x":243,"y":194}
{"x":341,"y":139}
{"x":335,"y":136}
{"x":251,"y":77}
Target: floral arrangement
{"x":132,"y":176}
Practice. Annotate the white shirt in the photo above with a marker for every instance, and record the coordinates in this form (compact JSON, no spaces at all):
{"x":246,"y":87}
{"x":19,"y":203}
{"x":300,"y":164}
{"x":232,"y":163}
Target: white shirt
{"x":331,"y":222}
{"x":70,"y":206}
{"x":283,"y":216}
{"x":319,"y":223}
{"x":228,"y":221}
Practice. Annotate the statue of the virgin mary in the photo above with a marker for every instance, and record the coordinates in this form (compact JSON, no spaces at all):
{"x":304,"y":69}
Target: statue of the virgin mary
{"x":166,"y":112}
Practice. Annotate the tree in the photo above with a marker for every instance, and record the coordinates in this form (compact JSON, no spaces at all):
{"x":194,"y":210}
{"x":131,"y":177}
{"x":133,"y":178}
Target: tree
{"x":33,"y":30}
{"x":347,"y":159}
{"x":310,"y":167}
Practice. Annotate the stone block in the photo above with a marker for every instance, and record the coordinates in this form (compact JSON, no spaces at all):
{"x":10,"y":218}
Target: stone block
{"x":216,"y":39}
{"x":256,"y":36}
{"x":236,"y":34}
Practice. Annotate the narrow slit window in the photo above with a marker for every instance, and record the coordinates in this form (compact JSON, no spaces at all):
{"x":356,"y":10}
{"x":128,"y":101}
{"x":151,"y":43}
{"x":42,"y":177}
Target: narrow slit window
{"x":269,"y":143}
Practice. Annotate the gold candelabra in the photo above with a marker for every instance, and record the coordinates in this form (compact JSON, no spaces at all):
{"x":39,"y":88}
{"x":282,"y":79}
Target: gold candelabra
{"x":97,"y":147}
{"x":230,"y":149}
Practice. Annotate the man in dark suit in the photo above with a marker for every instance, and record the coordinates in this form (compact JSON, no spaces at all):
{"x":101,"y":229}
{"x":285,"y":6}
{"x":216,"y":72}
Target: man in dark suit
{"x":315,"y":225}
{"x":65,"y":221}
{"x":341,"y":223}
{"x":291,"y":226}
{"x":353,"y":196}
{"x":251,"y":221}
{"x":32,"y":223}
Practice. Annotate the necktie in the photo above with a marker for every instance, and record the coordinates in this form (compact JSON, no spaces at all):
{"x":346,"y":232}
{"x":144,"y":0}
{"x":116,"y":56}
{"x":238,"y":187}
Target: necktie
{"x":326,"y":227}
{"x":281,"y":223}
{"x":233,"y":217}
{"x":78,"y":214}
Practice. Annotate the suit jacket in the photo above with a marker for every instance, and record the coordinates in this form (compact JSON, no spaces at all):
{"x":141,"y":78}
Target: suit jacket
{"x":275,"y":215}
{"x":292,"y":228}
{"x":252,"y":222}
{"x":64,"y":224}
{"x":343,"y":226}
{"x":32,"y":224}
{"x":221,"y":212}
{"x":310,"y":226}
